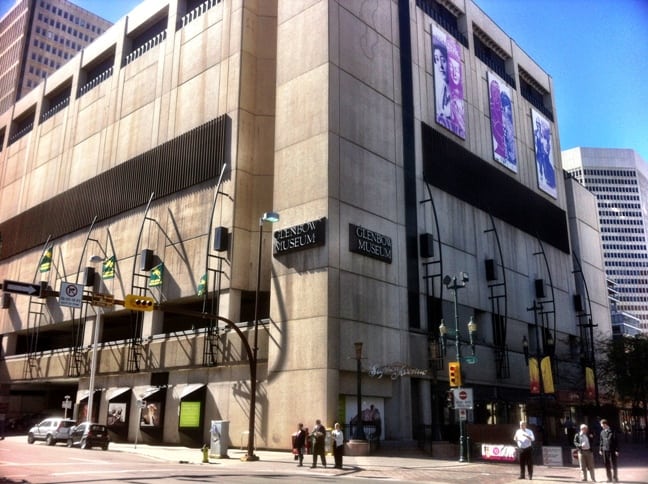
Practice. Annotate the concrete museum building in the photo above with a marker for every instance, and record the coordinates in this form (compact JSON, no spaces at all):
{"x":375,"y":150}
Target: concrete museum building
{"x":211,"y":206}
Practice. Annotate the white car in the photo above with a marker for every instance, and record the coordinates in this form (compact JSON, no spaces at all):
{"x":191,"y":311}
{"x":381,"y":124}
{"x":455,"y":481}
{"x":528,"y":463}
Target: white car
{"x":51,"y":430}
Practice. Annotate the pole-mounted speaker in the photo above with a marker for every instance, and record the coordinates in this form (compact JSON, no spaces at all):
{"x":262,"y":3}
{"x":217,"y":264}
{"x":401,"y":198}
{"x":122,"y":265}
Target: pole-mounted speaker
{"x":490,"y":270}
{"x":539,"y":288}
{"x":146,"y":260}
{"x":221,"y":239}
{"x":426,"y":245}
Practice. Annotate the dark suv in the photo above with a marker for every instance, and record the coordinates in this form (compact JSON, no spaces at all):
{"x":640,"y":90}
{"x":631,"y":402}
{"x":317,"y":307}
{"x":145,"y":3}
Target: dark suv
{"x":88,"y":435}
{"x":51,"y":430}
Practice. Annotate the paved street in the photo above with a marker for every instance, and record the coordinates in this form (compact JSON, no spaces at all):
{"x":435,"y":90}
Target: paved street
{"x":169,"y":464}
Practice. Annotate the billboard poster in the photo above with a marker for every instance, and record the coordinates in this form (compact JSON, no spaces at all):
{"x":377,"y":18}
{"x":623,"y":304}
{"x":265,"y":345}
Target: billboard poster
{"x":502,"y":128}
{"x":190,"y":414}
{"x":116,"y":414}
{"x":544,"y":154}
{"x":448,"y":82}
{"x":150,"y":416}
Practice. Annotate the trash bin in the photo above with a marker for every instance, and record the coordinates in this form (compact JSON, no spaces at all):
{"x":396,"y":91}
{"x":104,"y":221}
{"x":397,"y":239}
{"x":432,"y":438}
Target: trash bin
{"x":219,"y":441}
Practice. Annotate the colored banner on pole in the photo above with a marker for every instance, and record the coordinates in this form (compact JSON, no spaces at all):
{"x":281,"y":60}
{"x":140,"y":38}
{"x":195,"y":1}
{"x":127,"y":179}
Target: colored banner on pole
{"x":590,"y":388}
{"x":547,"y":375}
{"x":157,"y":273}
{"x":108,"y":268}
{"x":534,"y":376}
{"x":202,"y":285}
{"x":46,"y":260}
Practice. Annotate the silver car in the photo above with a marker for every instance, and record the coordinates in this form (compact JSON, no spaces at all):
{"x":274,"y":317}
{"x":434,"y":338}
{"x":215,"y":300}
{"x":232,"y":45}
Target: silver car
{"x":51,"y":430}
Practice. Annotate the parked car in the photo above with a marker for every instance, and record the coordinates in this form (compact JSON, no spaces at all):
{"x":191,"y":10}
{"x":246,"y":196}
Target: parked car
{"x":88,"y":435}
{"x":51,"y":430}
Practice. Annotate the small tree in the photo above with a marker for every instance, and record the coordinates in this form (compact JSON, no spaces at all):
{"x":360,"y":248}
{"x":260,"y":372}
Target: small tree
{"x":622,"y":372}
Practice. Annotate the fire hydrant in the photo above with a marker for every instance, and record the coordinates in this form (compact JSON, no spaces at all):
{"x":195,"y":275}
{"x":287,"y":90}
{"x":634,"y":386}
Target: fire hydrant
{"x":205,"y":453}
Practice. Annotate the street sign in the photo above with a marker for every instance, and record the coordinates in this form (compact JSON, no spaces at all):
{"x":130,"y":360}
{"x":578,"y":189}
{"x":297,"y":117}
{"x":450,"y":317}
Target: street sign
{"x":102,"y":300}
{"x":463,"y":398}
{"x":25,"y":288}
{"x":71,"y":295}
{"x":470,"y":359}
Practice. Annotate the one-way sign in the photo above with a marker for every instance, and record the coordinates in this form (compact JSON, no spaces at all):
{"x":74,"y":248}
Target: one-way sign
{"x":25,"y":288}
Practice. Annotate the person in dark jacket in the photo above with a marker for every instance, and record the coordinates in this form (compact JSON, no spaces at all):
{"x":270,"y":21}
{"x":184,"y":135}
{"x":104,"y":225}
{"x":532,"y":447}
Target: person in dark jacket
{"x":299,"y":442}
{"x":609,"y":449}
{"x":319,"y":437}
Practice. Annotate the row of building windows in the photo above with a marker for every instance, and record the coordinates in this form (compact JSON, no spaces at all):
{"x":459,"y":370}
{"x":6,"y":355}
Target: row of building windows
{"x":609,"y":221}
{"x":622,"y":238}
{"x":624,"y":263}
{"x":605,"y":204}
{"x":622,"y":230}
{"x":38,"y":72}
{"x":46,"y":61}
{"x":72,"y":18}
{"x":606,"y":173}
{"x":57,"y":25}
{"x":618,"y":213}
{"x":612,"y":196}
{"x":610,"y":181}
{"x":613,"y":189}
{"x":624,"y":255}
{"x":633,"y":282}
{"x":625,"y":247}
{"x":48,"y":48}
{"x":627,"y":272}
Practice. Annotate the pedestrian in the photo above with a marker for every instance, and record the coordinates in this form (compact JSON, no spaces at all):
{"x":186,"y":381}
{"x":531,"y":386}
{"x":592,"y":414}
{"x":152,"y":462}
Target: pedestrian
{"x":524,"y":438}
{"x":609,"y":449}
{"x":319,"y":435}
{"x":338,"y":445}
{"x":299,"y":442}
{"x":584,"y":442}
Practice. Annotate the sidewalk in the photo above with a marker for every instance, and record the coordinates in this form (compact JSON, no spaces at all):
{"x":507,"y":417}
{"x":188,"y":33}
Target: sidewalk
{"x":408,"y":466}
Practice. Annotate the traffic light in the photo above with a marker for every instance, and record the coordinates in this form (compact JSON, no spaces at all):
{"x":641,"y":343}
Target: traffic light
{"x":139,"y":303}
{"x":454,"y":373}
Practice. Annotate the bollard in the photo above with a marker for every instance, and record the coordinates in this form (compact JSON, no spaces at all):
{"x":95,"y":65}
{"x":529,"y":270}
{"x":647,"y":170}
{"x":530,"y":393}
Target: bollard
{"x":205,"y":454}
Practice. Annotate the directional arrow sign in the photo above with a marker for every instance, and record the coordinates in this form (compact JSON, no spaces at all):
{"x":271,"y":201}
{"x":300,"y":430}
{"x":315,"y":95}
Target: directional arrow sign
{"x":25,"y":288}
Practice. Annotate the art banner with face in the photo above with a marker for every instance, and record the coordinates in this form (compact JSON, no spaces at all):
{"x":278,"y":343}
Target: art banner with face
{"x":544,"y":154}
{"x":502,"y":127}
{"x":448,"y":82}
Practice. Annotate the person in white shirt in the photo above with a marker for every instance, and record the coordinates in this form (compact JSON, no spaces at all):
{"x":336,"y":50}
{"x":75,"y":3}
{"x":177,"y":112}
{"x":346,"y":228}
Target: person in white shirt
{"x":584,"y":441}
{"x":338,"y":445}
{"x":524,"y":438}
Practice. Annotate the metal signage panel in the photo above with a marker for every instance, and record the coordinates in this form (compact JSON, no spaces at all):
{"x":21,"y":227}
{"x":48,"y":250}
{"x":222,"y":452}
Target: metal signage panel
{"x":369,"y":243}
{"x":26,"y":288}
{"x":463,"y":398}
{"x":299,"y":237}
{"x":71,"y":295}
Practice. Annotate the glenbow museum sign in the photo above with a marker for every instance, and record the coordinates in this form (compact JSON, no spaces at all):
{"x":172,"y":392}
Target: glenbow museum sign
{"x":300,"y":237}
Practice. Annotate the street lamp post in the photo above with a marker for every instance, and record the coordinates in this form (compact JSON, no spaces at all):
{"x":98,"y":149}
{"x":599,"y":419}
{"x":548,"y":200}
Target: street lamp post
{"x":249,"y":456}
{"x":358,"y":433}
{"x":454,"y":284}
{"x":95,"y":343}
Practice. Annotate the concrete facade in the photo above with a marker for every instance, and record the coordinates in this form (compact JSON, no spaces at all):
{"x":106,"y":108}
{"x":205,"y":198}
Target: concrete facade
{"x":324,"y":112}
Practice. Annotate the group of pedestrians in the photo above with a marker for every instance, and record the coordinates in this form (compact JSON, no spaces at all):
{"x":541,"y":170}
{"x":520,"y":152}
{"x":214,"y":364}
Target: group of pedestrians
{"x":584,"y":443}
{"x":318,"y":437}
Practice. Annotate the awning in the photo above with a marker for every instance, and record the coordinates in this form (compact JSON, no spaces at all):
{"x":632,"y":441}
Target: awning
{"x":190,"y":388}
{"x":149,"y":392}
{"x":83,"y":394}
{"x":115,"y":392}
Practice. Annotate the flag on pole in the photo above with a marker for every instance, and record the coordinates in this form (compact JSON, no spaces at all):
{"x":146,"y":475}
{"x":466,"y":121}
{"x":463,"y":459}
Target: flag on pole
{"x":202,"y":285}
{"x":108,"y":268}
{"x":46,"y":260}
{"x":534,"y":376}
{"x":590,"y":390}
{"x":156,"y":275}
{"x":547,"y":376}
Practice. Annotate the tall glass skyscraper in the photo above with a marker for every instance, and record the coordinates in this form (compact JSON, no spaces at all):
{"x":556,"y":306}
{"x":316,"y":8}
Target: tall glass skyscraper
{"x":619,"y":179}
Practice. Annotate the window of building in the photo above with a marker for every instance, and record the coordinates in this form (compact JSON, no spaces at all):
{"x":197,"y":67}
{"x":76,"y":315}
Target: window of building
{"x":535,"y":94}
{"x":444,"y":17}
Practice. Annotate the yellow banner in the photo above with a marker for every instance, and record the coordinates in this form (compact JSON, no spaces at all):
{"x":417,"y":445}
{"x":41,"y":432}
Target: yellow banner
{"x":547,"y":376}
{"x":534,"y":376}
{"x":590,"y":389}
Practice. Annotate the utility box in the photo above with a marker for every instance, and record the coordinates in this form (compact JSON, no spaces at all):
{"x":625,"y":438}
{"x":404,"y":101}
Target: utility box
{"x":219,"y":439}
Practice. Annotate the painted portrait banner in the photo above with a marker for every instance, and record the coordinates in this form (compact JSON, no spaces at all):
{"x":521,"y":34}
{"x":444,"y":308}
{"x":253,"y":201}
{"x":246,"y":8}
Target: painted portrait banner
{"x":448,"y":82}
{"x":544,"y":154}
{"x":502,"y":127}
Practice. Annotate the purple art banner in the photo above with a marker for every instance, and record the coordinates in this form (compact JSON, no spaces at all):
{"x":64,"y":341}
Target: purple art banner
{"x":502,"y":128}
{"x":448,"y":82}
{"x":544,"y":154}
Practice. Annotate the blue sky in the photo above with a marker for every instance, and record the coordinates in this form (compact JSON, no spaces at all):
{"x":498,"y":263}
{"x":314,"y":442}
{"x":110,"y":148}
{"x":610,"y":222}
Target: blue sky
{"x":595,"y":51}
